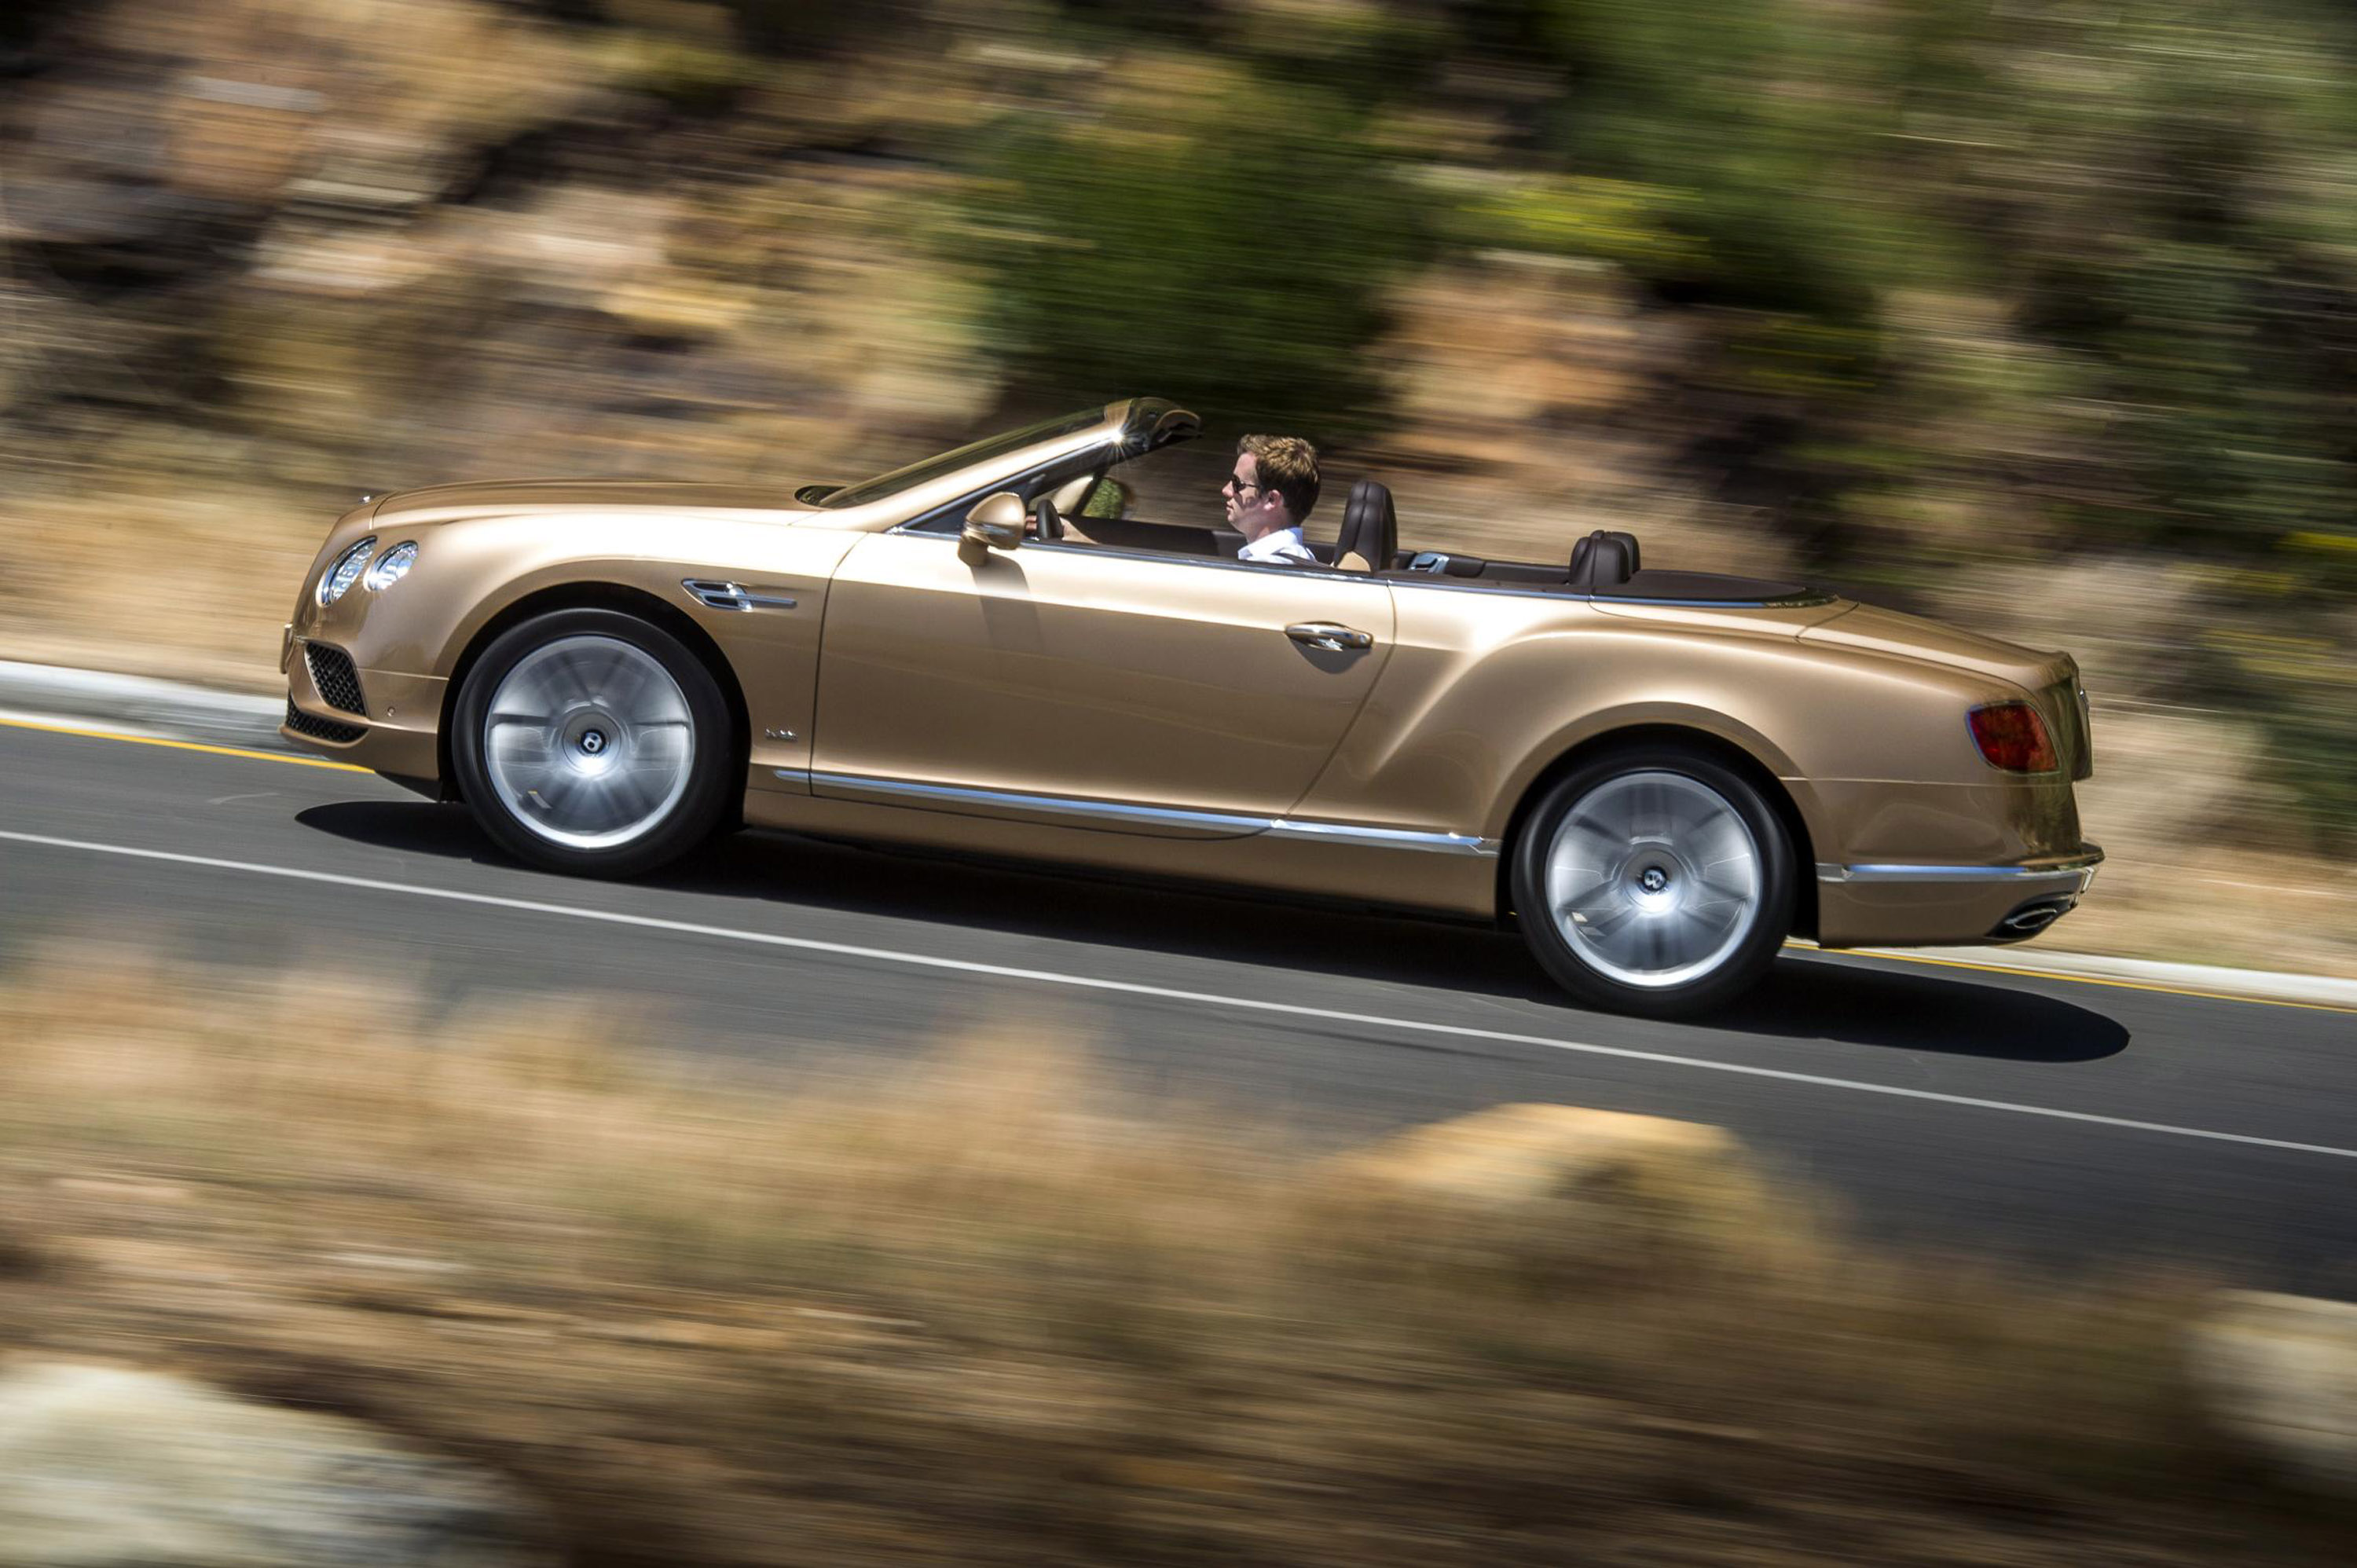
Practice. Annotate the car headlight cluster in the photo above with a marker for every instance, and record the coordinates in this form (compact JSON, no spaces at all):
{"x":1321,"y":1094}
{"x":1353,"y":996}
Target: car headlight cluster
{"x":347,"y":568}
{"x":392,"y":566}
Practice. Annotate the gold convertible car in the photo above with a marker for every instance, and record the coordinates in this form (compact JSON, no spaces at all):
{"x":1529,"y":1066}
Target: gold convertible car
{"x":1657,"y":776}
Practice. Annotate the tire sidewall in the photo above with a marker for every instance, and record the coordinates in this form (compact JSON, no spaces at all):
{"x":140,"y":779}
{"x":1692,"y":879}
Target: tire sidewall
{"x":1778,"y":873}
{"x":700,"y":808}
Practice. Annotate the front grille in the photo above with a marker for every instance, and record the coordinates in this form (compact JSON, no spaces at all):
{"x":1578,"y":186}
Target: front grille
{"x":318,"y":728}
{"x":332,"y":673}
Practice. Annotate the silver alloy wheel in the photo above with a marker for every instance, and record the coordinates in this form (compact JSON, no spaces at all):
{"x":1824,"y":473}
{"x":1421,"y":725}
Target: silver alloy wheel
{"x":590,"y":742}
{"x":1654,"y":879}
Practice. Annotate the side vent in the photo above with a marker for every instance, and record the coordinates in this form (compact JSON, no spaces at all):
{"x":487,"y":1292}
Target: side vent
{"x":721,"y":595}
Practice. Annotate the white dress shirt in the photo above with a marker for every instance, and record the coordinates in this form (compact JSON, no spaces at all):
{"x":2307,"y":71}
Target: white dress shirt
{"x":1283,"y":547}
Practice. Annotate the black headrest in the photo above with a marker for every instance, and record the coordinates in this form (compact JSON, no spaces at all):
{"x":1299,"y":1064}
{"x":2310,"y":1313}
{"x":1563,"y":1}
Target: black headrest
{"x":1604,"y":560}
{"x":1369,"y":535}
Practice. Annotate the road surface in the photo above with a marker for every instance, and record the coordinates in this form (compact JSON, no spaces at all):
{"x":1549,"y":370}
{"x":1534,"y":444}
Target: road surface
{"x":2065,"y":1121}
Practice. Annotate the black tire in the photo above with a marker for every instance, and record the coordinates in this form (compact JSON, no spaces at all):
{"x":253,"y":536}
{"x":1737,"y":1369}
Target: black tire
{"x":694,"y":773}
{"x":1721,"y":966}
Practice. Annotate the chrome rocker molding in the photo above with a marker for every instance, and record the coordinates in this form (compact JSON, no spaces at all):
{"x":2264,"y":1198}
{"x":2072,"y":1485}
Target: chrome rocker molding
{"x":2079,"y":869}
{"x":1117,"y":813}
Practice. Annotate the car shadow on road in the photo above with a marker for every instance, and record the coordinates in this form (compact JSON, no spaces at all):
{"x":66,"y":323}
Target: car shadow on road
{"x":1801,"y":998}
{"x":1812,"y":998}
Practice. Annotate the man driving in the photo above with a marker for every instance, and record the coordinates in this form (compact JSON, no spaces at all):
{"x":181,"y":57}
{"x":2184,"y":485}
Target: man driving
{"x":1272,"y":488}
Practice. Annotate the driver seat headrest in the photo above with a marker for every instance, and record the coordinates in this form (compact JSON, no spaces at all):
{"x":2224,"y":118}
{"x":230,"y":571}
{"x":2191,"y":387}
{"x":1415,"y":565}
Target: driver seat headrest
{"x":1604,"y":559}
{"x":1369,"y":535}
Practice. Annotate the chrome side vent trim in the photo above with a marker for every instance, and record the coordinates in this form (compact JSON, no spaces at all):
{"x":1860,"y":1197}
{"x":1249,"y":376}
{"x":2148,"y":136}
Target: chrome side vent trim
{"x":722,"y":595}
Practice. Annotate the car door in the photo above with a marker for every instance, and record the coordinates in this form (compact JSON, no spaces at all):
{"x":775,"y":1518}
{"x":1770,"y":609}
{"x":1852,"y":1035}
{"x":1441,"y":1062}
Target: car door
{"x":1077,"y":684}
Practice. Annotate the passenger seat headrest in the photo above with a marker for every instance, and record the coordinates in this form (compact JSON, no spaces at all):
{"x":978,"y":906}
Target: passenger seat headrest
{"x":1605,"y":559}
{"x":1369,"y":535}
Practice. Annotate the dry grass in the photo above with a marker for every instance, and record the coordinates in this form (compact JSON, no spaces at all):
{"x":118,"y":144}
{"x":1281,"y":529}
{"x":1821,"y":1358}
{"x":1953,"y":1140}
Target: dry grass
{"x":986,"y":1310}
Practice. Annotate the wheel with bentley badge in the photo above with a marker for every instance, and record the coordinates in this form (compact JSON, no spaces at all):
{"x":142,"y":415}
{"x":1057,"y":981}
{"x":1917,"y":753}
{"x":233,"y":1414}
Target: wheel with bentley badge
{"x":1654,"y":880}
{"x":593,"y":742}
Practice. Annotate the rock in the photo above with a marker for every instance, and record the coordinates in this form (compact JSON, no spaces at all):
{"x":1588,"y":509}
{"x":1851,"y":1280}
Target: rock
{"x":2280,"y":1373}
{"x":112,"y":1467}
{"x":1664,"y":1178}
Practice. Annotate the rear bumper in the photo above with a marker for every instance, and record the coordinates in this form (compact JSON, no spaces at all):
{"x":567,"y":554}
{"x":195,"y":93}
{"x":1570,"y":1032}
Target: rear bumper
{"x":1931,"y":905}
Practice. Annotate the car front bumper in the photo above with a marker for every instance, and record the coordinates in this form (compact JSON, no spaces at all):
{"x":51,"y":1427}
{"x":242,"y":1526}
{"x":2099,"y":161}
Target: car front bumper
{"x":379,"y":719}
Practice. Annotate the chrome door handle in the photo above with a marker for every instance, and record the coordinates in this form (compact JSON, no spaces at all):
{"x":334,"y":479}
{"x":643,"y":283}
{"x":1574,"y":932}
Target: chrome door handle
{"x":1332,"y":637}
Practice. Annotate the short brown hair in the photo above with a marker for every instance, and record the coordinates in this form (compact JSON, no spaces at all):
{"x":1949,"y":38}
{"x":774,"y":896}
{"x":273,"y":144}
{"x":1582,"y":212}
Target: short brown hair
{"x":1287,"y":464}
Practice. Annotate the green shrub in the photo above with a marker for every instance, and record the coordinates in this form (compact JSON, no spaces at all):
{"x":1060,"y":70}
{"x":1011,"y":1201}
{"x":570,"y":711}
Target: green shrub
{"x":1233,"y":255}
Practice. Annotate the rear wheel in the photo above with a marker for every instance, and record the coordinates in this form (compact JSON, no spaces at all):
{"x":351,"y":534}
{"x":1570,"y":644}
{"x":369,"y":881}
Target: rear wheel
{"x":593,"y":742}
{"x":1656,"y":881}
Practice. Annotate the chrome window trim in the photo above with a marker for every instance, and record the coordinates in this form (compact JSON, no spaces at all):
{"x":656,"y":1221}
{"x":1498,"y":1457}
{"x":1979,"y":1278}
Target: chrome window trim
{"x":1320,"y":572}
{"x":1329,"y":574}
{"x":2079,"y":868}
{"x":1361,"y":835}
{"x":1790,"y":601}
{"x":1114,"y":552}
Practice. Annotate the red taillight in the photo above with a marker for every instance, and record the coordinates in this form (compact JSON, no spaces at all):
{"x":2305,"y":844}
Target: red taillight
{"x":2012,"y":737}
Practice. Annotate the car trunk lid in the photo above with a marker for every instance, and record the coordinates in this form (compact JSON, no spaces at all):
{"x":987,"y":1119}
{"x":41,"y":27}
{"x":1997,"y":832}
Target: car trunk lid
{"x":2051,"y":679}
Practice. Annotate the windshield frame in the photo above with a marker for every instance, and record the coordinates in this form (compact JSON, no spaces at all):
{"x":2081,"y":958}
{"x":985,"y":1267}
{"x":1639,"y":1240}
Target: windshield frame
{"x":943,"y":464}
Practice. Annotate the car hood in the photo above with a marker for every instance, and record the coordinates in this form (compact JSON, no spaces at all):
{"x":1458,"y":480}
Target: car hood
{"x":436,"y":502}
{"x":1936,"y":643}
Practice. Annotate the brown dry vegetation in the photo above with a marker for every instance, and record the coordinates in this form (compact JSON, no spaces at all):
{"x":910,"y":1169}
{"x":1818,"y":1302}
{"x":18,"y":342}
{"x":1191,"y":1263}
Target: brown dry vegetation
{"x":983,"y":1311}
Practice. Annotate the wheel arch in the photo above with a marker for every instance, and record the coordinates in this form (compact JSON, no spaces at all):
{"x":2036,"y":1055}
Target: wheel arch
{"x":1716,"y":747}
{"x":615,"y":596}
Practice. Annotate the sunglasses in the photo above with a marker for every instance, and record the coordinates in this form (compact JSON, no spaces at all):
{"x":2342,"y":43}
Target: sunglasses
{"x":1241,"y":484}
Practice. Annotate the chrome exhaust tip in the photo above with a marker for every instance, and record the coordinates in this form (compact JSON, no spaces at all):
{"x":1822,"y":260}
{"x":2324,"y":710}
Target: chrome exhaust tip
{"x":2031,"y":918}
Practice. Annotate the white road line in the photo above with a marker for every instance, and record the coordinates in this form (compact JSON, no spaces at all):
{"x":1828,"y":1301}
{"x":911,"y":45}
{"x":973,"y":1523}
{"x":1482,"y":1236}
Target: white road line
{"x":1207,"y":998}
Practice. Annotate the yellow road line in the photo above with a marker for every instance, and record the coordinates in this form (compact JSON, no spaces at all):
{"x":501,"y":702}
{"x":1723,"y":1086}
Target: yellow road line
{"x":182,"y":745}
{"x":1893,"y":958}
{"x":2084,"y":979}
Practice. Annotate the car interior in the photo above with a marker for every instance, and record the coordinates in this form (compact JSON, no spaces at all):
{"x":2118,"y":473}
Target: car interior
{"x":1603,"y":564}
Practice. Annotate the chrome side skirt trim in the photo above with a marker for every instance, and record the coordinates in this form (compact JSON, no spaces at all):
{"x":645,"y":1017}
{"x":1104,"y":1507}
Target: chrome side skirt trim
{"x":2078,"y":868}
{"x":1118,"y":812}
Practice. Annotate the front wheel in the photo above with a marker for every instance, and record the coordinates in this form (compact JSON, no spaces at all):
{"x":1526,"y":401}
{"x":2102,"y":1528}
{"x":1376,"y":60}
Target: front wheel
{"x":1655,"y":881}
{"x":593,"y":742}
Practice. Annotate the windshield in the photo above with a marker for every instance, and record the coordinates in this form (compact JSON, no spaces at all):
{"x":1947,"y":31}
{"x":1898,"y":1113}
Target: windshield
{"x":915,"y":474}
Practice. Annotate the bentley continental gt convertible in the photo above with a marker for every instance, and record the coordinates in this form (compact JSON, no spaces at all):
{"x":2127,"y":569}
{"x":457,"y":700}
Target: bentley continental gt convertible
{"x":1656,"y":774}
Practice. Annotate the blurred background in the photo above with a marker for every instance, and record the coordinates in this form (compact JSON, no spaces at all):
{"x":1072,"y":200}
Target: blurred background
{"x":2040,"y":316}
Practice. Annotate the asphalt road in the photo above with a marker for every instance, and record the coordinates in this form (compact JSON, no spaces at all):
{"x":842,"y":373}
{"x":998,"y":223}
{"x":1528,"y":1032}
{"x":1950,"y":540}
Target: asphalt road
{"x":2069,"y":1121}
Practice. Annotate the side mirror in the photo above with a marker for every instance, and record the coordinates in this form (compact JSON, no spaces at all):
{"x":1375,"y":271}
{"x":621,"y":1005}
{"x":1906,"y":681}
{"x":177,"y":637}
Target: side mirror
{"x":996,"y":523}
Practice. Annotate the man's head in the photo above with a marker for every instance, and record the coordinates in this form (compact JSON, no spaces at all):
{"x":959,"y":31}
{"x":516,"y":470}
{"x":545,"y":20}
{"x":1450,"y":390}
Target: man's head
{"x":1272,"y":485}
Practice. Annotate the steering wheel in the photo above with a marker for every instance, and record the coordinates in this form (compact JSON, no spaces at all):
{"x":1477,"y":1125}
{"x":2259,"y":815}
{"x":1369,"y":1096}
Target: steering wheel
{"x":1047,"y":521}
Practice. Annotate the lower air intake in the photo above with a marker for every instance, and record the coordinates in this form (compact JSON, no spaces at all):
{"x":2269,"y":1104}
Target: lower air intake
{"x":332,"y":673}
{"x":317,"y":728}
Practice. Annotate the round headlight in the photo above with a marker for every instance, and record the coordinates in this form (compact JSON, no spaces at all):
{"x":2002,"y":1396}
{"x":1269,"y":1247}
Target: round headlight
{"x":393,"y":564}
{"x":346,"y":570}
